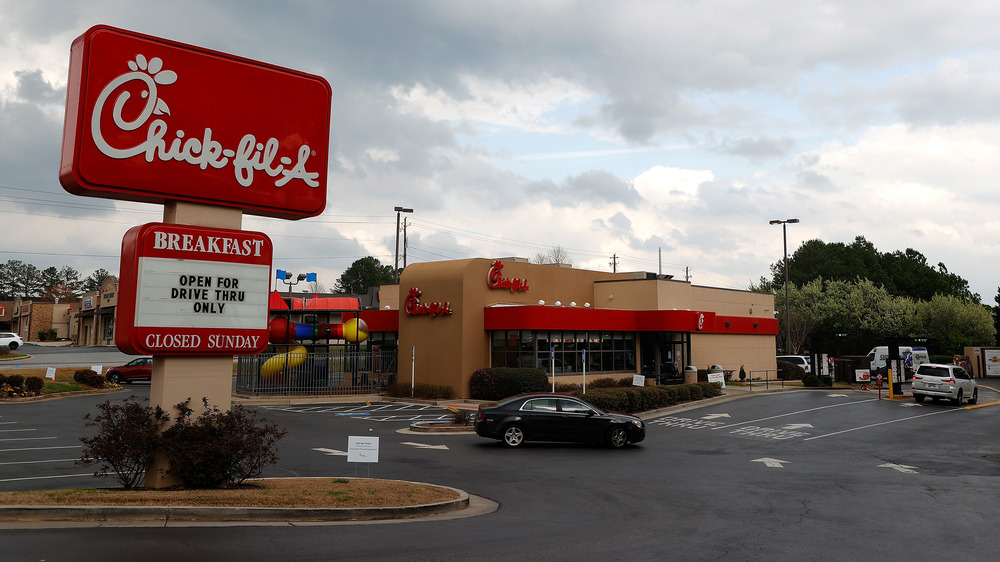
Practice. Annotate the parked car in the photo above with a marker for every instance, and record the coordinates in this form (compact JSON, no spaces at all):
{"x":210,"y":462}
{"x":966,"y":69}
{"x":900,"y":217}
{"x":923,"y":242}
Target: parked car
{"x":800,"y":360}
{"x":937,"y":381}
{"x":11,"y":340}
{"x":556,"y":417}
{"x":140,"y":369}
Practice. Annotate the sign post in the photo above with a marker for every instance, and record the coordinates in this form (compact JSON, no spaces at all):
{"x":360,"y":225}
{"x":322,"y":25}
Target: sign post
{"x":209,"y":136}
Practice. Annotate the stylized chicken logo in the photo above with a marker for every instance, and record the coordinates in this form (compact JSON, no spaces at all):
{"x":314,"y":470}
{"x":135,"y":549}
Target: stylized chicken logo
{"x":151,"y":74}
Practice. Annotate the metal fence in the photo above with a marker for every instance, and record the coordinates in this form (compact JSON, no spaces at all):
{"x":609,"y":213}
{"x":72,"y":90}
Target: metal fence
{"x":336,"y":372}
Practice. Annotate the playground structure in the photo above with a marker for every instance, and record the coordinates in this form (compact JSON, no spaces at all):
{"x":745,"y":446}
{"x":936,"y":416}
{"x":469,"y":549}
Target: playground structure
{"x":292,"y":369}
{"x":283,"y":331}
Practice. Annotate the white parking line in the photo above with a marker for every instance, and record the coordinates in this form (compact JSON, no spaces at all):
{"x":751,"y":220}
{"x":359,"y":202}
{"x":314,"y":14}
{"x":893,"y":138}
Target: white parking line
{"x":13,"y":430}
{"x":46,"y":477}
{"x":880,"y":423}
{"x":796,"y":413}
{"x":42,"y":448}
{"x":36,"y":462}
{"x":28,"y":438}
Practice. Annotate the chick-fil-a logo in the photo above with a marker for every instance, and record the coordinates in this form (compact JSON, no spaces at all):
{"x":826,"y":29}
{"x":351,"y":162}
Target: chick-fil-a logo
{"x":249,"y":156}
{"x":496,"y":280}
{"x":413,"y":307}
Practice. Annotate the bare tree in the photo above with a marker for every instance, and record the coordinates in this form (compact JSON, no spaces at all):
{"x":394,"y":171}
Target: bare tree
{"x":556,"y":254}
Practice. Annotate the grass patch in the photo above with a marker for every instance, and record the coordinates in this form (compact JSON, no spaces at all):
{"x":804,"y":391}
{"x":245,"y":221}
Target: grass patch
{"x":276,"y":493}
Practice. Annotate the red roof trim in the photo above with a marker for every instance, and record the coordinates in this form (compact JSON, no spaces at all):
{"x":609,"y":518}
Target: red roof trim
{"x":563,"y":318}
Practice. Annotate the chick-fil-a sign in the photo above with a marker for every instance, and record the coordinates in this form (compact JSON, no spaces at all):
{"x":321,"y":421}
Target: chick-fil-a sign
{"x":413,"y":307}
{"x":496,"y":280}
{"x":153,"y":120}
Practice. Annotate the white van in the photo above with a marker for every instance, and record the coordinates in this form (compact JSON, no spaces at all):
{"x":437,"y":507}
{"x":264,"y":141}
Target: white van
{"x":911,"y":358}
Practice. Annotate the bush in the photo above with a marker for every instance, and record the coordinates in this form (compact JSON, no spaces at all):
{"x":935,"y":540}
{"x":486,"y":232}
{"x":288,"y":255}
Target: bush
{"x":15,"y":381}
{"x":421,"y":390}
{"x":610,"y":382}
{"x":3,"y":379}
{"x":790,"y":371}
{"x":501,"y":382}
{"x":219,"y":448}
{"x":89,"y":377}
{"x":34,"y":384}
{"x":810,"y":380}
{"x":126,"y":441}
{"x":641,"y":398}
{"x":4,"y":349}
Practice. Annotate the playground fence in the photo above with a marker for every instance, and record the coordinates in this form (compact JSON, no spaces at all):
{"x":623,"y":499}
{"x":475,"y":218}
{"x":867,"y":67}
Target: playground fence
{"x":335,"y":372}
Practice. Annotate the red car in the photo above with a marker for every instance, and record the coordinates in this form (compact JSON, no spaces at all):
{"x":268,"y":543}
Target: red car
{"x":140,"y":369}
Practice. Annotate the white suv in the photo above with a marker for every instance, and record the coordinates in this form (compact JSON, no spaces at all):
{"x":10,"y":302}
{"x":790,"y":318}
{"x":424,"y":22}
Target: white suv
{"x":944,"y":381}
{"x":800,"y":360}
{"x":11,"y":340}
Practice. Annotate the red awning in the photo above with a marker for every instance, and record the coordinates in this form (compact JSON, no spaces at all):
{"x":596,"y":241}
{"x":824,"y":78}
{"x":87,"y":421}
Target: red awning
{"x":339,"y":304}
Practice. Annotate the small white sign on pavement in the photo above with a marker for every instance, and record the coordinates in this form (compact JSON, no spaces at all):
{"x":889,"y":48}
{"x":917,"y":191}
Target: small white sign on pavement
{"x":638,"y":380}
{"x":97,"y":368}
{"x":50,"y":373}
{"x":362,"y":449}
{"x":717,"y":377}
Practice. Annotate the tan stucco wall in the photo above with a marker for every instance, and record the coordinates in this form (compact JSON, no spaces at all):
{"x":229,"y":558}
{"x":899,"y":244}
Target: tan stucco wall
{"x":448,"y":349}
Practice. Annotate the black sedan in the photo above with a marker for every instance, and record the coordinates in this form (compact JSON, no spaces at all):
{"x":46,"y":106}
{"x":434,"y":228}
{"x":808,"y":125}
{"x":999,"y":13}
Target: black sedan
{"x":556,"y":417}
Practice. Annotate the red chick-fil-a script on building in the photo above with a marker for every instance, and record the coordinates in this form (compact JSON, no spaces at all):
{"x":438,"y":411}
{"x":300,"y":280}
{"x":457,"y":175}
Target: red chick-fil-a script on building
{"x":413,"y":307}
{"x":153,"y":120}
{"x":496,"y":280}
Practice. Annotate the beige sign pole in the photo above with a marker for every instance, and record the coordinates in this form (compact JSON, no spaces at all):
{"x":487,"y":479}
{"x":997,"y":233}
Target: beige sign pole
{"x":179,"y":378}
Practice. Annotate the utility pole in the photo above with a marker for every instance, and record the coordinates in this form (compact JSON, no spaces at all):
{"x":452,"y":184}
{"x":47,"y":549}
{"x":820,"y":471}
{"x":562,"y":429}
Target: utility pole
{"x":614,"y":263}
{"x":405,"y":244}
{"x":395,"y":265}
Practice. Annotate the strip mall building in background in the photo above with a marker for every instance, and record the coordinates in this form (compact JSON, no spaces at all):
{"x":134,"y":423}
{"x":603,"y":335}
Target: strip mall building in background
{"x":455,"y":317}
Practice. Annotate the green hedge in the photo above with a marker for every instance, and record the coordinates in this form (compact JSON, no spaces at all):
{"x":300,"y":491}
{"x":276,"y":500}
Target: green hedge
{"x":641,"y":398}
{"x":500,"y":382}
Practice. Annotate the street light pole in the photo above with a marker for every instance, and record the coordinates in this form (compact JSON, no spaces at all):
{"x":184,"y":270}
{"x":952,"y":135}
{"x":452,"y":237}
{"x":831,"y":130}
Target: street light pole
{"x":395,"y":265}
{"x":784,"y":237}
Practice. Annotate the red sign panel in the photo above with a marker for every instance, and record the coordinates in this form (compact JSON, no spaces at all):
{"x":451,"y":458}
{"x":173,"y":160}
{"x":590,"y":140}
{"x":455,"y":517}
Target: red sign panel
{"x":187,"y":290}
{"x":153,"y":120}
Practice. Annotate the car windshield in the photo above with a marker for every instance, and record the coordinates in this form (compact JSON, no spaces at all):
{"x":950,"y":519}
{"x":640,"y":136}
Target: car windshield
{"x":940,"y":372}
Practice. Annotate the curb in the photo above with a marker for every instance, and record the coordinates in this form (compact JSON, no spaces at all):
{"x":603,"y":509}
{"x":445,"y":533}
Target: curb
{"x":163,"y":515}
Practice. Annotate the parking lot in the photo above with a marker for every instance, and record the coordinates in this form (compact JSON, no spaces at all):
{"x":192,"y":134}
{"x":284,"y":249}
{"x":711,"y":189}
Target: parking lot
{"x":730,"y":479}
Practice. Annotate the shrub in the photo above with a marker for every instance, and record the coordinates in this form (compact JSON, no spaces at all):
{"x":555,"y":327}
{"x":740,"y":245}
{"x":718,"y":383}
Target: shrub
{"x":810,"y":380}
{"x":126,"y":441}
{"x":743,"y":373}
{"x":89,"y":377}
{"x":421,"y":390}
{"x":219,"y":448}
{"x":609,"y":382}
{"x":567,"y":387}
{"x":461,"y":417}
{"x":641,"y":398}
{"x":4,"y":349}
{"x":34,"y":384}
{"x":501,"y":382}
{"x":3,"y":379}
{"x":790,"y":371}
{"x":15,"y":381}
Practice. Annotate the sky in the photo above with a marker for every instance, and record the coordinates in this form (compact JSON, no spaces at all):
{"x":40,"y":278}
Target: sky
{"x":659,"y":135}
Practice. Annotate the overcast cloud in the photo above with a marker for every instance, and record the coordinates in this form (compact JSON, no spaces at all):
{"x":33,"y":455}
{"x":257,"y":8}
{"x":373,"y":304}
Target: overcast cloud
{"x":665,"y":133}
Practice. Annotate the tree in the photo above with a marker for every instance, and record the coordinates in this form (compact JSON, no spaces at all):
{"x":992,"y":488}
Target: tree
{"x":952,"y":323}
{"x":93,"y":283}
{"x":362,"y":274}
{"x":556,"y":254}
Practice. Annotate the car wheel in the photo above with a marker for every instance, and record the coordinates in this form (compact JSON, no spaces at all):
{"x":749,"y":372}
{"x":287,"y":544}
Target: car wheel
{"x":12,"y":345}
{"x":975,"y":396}
{"x":114,"y":377}
{"x":617,"y":437}
{"x":957,"y":401}
{"x":919,"y":398}
{"x":513,"y":436}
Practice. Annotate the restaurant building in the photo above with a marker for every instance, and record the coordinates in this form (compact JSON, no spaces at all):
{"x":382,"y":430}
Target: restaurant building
{"x":455,"y":317}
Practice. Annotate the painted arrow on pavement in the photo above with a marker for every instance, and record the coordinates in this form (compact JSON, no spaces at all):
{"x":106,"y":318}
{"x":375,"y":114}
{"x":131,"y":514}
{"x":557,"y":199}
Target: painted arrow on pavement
{"x":836,"y":395}
{"x":770,"y":463}
{"x":899,"y":467}
{"x":714,"y":416}
{"x":911,"y":405}
{"x":332,"y":452}
{"x":798,"y":426}
{"x":424,"y":445}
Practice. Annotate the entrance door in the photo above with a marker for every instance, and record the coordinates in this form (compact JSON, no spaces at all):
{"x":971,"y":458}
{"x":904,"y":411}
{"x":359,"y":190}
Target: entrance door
{"x":663,"y":355}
